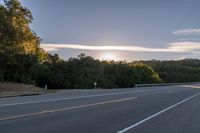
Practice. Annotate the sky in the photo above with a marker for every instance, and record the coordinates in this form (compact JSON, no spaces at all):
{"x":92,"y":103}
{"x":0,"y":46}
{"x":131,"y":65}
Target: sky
{"x":118,"y":29}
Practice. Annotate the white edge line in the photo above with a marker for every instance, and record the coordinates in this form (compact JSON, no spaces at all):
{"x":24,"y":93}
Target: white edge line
{"x":152,"y":116}
{"x":61,"y":99}
{"x":68,"y":108}
{"x":78,"y":97}
{"x":72,"y":98}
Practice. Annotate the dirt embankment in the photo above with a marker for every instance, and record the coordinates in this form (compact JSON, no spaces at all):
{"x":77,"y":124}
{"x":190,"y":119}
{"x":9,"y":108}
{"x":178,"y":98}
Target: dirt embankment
{"x":14,"y":89}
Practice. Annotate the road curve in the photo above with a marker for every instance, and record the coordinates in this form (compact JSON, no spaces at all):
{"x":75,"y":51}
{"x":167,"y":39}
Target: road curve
{"x":166,"y":109}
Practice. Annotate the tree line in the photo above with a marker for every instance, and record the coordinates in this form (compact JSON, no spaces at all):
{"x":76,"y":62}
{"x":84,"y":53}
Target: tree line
{"x":84,"y":71}
{"x":22,"y":60}
{"x":172,"y":71}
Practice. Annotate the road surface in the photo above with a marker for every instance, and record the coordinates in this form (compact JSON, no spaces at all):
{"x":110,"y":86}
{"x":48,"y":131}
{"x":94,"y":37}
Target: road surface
{"x":166,"y":109}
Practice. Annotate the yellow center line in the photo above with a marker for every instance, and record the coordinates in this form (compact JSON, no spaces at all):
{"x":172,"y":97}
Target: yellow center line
{"x":66,"y":109}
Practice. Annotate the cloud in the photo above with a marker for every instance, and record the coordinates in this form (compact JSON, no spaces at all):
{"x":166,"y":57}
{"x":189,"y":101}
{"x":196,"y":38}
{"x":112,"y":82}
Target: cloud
{"x":88,"y":47}
{"x":178,"y":47}
{"x":50,"y":49}
{"x":184,"y":46}
{"x":187,"y":32}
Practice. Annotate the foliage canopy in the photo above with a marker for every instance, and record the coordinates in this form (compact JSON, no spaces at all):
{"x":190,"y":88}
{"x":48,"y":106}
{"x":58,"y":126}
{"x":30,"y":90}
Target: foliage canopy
{"x":19,"y":45}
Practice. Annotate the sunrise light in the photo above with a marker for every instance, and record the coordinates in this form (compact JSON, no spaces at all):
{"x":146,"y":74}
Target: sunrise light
{"x":108,"y":56}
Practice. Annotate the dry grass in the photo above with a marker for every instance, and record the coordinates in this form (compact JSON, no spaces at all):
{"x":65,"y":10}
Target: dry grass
{"x":14,"y":89}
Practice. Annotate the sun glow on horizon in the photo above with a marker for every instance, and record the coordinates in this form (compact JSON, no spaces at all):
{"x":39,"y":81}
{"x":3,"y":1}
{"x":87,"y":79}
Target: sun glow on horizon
{"x":108,"y":56}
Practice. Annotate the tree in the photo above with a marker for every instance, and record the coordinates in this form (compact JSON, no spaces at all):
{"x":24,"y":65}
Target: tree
{"x":17,"y":42}
{"x":145,"y":74}
{"x":16,"y":35}
{"x":53,"y":58}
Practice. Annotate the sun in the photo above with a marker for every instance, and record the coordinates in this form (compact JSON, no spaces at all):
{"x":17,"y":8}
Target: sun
{"x":108,"y":56}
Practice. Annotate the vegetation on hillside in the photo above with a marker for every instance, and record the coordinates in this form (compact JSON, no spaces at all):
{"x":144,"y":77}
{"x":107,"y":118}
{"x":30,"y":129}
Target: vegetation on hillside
{"x":83,"y":71}
{"x":172,"y":71}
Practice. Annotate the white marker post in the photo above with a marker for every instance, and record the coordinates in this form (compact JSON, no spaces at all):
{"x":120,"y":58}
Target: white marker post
{"x":95,"y":85}
{"x":45,"y":87}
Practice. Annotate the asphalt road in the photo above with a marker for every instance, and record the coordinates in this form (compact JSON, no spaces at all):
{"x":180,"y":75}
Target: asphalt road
{"x":167,"y":109}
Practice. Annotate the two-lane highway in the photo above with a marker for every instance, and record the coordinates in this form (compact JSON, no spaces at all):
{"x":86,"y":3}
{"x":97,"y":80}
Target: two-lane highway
{"x":166,"y":109}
